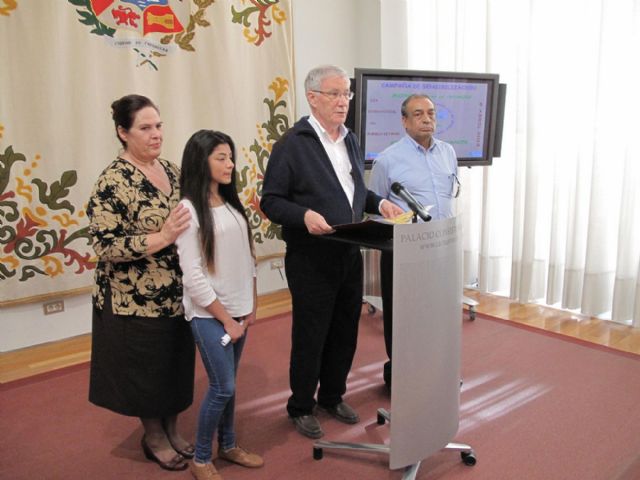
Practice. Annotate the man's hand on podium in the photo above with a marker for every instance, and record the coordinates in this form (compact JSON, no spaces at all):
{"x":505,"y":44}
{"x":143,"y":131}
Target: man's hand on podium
{"x":316,"y":224}
{"x":389,"y":209}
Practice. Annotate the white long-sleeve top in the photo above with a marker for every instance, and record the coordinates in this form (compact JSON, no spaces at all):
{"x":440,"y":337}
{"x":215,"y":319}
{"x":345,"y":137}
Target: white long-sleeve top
{"x":232,"y":281}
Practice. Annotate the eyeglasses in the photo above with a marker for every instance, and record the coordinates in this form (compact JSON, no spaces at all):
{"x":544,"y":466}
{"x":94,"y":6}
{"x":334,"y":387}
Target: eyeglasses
{"x":334,"y":95}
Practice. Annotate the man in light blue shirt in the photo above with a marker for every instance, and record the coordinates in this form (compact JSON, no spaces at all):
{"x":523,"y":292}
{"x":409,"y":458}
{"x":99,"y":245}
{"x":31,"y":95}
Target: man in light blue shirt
{"x":428,"y":169}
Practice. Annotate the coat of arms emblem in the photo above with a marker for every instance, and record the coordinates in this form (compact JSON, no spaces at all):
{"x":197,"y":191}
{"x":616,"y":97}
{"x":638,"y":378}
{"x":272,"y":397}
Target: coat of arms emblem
{"x":152,"y":28}
{"x":143,"y":16}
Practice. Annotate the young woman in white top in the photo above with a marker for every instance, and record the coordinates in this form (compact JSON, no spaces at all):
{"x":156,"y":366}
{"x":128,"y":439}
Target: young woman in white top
{"x":218,"y":266}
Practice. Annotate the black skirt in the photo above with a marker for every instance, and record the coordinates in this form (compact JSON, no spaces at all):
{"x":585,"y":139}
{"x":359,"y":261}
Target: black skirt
{"x":141,"y":367}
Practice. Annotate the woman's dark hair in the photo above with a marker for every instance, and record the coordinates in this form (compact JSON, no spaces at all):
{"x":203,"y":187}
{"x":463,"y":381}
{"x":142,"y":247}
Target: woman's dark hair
{"x":123,"y":111}
{"x":195,"y":182}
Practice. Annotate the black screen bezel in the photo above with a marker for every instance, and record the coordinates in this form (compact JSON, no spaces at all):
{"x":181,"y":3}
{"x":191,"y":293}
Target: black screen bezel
{"x":363,"y":75}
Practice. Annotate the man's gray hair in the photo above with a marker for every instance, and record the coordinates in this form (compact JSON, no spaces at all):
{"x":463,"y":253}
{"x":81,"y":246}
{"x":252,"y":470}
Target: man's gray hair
{"x":403,"y":108}
{"x":318,"y":74}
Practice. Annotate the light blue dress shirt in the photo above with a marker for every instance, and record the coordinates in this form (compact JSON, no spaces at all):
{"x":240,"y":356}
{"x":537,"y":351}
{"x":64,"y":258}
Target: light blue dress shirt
{"x":430,"y":175}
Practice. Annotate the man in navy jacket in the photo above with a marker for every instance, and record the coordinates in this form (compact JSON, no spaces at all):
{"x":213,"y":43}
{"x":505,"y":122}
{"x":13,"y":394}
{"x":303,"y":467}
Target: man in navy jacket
{"x":315,"y":179}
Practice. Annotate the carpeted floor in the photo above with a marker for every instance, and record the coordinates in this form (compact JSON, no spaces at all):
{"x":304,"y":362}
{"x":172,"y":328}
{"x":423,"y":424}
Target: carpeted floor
{"x":533,"y":406}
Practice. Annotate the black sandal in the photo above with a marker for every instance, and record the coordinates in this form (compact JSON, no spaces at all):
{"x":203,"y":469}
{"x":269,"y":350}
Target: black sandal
{"x":176,"y":464}
{"x":188,"y":452}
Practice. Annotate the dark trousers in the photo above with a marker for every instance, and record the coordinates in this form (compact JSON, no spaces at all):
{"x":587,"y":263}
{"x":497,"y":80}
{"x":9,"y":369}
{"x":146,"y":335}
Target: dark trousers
{"x":386,"y":287}
{"x":326,"y":293}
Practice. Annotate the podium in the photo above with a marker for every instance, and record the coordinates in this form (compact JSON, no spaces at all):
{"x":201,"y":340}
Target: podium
{"x":427,"y":313}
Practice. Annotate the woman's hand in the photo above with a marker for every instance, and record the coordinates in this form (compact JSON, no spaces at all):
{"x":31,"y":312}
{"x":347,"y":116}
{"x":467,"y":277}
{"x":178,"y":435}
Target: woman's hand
{"x":235,"y":330}
{"x":176,"y":223}
{"x":249,"y":319}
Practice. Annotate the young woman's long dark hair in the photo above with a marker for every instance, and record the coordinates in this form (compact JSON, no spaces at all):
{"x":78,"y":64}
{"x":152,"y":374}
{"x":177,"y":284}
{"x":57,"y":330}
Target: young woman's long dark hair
{"x":195,"y":181}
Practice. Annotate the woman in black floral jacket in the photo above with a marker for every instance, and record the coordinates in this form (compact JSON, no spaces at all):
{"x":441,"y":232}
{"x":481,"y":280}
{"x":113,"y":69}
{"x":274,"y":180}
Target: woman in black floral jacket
{"x":143,"y":356}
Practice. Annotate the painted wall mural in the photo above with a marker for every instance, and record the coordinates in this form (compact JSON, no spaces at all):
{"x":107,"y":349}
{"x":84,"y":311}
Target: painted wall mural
{"x":46,"y":237}
{"x":220,"y":64}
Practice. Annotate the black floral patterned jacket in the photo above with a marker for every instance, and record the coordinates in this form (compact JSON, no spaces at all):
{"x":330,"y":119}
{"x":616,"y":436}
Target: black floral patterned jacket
{"x":123,"y":209}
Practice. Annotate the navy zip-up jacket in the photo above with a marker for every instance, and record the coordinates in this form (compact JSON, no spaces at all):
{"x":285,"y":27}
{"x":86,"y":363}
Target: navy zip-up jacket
{"x":300,"y":177}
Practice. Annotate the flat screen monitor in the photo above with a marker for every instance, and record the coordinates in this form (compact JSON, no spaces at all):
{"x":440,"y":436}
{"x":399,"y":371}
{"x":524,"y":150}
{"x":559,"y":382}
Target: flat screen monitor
{"x":466,"y":110}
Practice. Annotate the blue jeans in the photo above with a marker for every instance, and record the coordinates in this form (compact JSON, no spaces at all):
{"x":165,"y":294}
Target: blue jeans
{"x":217,"y":408}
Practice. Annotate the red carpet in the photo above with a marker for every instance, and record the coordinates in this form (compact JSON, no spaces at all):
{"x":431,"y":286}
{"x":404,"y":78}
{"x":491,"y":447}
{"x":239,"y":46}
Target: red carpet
{"x":533,"y":406}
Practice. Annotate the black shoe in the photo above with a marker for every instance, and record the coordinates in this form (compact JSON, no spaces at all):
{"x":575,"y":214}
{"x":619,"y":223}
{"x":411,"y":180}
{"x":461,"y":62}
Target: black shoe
{"x":386,"y":374}
{"x":308,"y":425}
{"x":342,"y":412}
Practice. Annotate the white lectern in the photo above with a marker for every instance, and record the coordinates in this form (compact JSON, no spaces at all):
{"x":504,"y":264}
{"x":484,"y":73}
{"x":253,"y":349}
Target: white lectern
{"x":427,"y":310}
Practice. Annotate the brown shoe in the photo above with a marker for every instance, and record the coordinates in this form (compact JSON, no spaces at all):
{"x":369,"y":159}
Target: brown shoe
{"x":204,"y":472}
{"x":240,"y":456}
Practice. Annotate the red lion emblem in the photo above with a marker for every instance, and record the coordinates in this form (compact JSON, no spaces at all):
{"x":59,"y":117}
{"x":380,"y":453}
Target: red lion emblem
{"x":125,"y":16}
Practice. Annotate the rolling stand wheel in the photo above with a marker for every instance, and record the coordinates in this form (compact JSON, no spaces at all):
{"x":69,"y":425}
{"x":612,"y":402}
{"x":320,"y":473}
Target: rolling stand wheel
{"x":317,"y":453}
{"x":468,"y":458}
{"x":471,"y":307}
{"x":380,"y":419}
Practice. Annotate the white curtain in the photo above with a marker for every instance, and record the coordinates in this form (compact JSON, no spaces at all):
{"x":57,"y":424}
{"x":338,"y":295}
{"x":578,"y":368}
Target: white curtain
{"x":555,"y":219}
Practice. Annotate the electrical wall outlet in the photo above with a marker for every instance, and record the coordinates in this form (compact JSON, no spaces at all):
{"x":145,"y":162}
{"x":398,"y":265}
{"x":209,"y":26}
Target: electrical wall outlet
{"x":56,"y":306}
{"x":277,"y":264}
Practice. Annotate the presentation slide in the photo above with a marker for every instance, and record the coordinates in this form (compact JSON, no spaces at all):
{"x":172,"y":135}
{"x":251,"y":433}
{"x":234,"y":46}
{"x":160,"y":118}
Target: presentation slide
{"x":460,"y":112}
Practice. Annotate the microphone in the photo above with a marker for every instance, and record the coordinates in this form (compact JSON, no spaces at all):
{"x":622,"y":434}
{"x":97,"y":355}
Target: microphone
{"x":414,"y":205}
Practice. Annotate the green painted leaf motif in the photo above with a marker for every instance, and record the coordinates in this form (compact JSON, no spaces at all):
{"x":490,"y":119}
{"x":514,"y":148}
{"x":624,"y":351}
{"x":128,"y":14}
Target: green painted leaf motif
{"x":5,"y":272}
{"x":37,"y":246}
{"x":7,"y":159}
{"x":242,"y":179}
{"x":277,"y":123}
{"x":188,"y":37}
{"x":104,"y":30}
{"x":274,"y":231}
{"x":88,"y":17}
{"x":30,"y":271}
{"x":7,"y":234}
{"x":203,"y":3}
{"x":11,"y":215}
{"x":243,"y":16}
{"x":261,"y":155}
{"x":58,"y":190}
{"x":82,"y":233}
